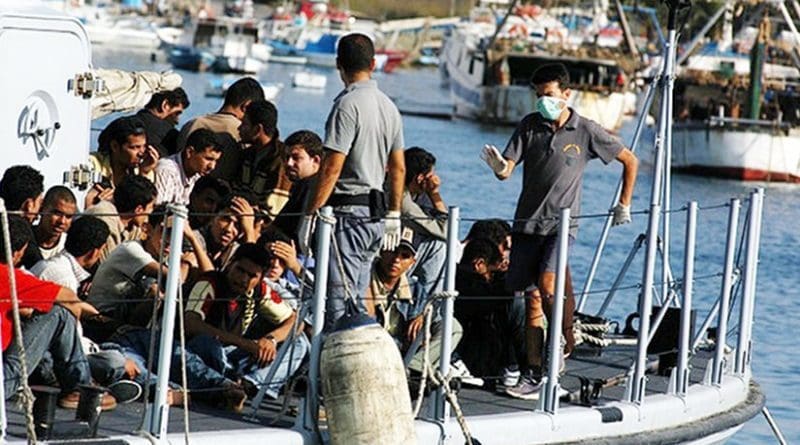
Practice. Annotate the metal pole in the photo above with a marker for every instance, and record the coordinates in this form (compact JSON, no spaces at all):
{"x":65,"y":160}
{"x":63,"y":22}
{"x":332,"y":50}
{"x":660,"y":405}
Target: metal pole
{"x":774,"y":425}
{"x":324,"y":228}
{"x":700,"y":35}
{"x":746,"y":309}
{"x":554,"y":342}
{"x":625,"y":266}
{"x":682,"y":374}
{"x":648,"y":102}
{"x":666,"y":207}
{"x":442,"y":410}
{"x":790,"y":23}
{"x":725,"y":294}
{"x":159,"y":411}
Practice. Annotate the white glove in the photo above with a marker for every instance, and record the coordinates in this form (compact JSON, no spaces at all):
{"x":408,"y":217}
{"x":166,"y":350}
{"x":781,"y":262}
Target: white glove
{"x":622,"y":215}
{"x":391,"y":230}
{"x":305,"y":231}
{"x":492,"y":157}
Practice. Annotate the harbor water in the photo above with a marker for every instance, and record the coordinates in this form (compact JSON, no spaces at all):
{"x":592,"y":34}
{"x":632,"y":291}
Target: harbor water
{"x":469,"y":184}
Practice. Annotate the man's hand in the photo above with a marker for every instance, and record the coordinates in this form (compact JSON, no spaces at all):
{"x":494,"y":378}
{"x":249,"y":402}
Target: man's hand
{"x":305,"y":231}
{"x":622,"y":214}
{"x":288,"y":254}
{"x":432,"y":184}
{"x":391,"y":230}
{"x":492,"y":157}
{"x":247,"y":219}
{"x":414,"y":327}
{"x":149,"y":160}
{"x":263,"y":351}
{"x":96,"y":194}
{"x":131,"y":369}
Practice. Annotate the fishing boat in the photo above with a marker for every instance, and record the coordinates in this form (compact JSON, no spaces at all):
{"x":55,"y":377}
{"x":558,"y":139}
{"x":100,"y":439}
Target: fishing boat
{"x":218,"y":86}
{"x":232,"y":43}
{"x":614,"y":392}
{"x":738,"y":114}
{"x":488,"y":66}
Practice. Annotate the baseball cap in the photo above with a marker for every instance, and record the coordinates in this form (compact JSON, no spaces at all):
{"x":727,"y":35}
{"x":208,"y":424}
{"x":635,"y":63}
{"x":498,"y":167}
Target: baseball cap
{"x":409,"y":239}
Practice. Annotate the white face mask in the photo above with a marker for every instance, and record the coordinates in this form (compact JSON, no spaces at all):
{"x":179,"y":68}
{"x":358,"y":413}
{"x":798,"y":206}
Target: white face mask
{"x":550,"y":107}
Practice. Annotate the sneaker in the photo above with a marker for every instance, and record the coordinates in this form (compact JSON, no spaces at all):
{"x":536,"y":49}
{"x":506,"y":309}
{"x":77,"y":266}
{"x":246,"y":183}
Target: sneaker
{"x":71,"y":401}
{"x":460,"y":371}
{"x":510,"y":376}
{"x":528,"y":388}
{"x":125,"y":391}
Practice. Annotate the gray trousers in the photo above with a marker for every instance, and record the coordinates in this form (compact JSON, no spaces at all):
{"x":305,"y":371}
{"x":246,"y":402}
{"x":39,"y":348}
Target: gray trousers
{"x":435,"y":346}
{"x":358,"y":239}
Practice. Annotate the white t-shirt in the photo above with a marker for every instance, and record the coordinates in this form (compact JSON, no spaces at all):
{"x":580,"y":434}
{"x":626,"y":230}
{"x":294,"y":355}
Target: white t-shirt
{"x":117,"y":278}
{"x":55,"y":250}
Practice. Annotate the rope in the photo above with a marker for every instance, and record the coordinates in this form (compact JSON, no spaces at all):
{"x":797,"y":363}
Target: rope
{"x":26,"y":396}
{"x":425,"y":360}
{"x":438,"y":379}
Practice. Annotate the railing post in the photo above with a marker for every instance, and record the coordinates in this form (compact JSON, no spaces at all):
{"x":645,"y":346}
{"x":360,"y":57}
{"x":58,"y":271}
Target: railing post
{"x":749,"y":286}
{"x":682,"y":374}
{"x":442,"y":410}
{"x":554,"y":341}
{"x":725,"y":293}
{"x":158,"y":412}
{"x":323,"y":239}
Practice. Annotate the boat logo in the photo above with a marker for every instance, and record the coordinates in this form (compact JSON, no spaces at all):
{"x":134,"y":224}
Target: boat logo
{"x":575,"y":147}
{"x":37,"y":123}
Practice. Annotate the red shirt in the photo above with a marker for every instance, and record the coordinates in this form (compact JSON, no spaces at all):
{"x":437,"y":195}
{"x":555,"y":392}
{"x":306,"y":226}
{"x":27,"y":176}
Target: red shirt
{"x":32,"y":293}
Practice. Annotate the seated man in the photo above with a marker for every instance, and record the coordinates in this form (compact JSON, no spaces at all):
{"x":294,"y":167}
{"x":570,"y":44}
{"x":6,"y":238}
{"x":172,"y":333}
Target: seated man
{"x":21,"y":188}
{"x":58,"y":208}
{"x":49,"y":314}
{"x":398,"y":302}
{"x":305,"y":153}
{"x":84,"y":243}
{"x":222,"y":236}
{"x":130,"y":272}
{"x":177,"y":174}
{"x":206,"y":200}
{"x":236,"y":324}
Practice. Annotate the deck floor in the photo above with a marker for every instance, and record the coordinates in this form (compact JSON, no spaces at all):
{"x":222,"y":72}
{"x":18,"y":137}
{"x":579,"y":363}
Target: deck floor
{"x":611,"y":365}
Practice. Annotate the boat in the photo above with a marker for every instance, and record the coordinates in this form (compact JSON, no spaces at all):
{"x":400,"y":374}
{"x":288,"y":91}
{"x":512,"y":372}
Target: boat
{"x":614,"y":393}
{"x":217,"y":87}
{"x":233,"y":43}
{"x":730,"y":124}
{"x":308,"y":79}
{"x":488,"y":70}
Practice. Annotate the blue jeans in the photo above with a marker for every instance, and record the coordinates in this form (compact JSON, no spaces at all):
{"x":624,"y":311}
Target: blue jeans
{"x":54,"y":332}
{"x":359,"y":240}
{"x":107,"y":365}
{"x":429,"y":265}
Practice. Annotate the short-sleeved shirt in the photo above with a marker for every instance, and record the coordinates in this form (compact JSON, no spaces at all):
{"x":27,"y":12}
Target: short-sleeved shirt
{"x":212,"y":299}
{"x":118,"y":279}
{"x":62,"y":269}
{"x":32,"y":293}
{"x":554,"y":162}
{"x":365,"y":125}
{"x":172,"y":184}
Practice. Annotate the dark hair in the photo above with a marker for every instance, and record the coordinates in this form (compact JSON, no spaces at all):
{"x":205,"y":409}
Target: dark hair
{"x":209,"y":182}
{"x":272,"y":234}
{"x":173,"y":97}
{"x":481,"y":248}
{"x":355,"y":53}
{"x":203,"y":138}
{"x":244,"y":90}
{"x":418,"y":161}
{"x":86,"y":233}
{"x":118,"y":131}
{"x":495,"y":230}
{"x":551,"y":72}
{"x":263,"y":112}
{"x":20,"y":183}
{"x":307,"y":139}
{"x":132,"y":192}
{"x":58,"y":193}
{"x":21,"y":234}
{"x":254,"y":253}
{"x":158,"y":215}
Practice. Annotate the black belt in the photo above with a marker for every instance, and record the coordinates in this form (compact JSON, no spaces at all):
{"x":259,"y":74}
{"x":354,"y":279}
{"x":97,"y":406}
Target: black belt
{"x":348,"y":200}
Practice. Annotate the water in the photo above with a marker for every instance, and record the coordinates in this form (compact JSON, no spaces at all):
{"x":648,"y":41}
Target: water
{"x":468,"y":183}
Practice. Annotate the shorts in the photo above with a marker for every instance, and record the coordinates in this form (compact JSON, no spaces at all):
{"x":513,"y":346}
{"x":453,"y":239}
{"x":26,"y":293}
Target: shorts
{"x":532,"y":255}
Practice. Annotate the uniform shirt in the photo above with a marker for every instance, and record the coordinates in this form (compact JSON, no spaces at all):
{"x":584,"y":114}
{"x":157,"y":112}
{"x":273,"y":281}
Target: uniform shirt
{"x":554,"y":162}
{"x":226,"y":126}
{"x":32,"y":293}
{"x":365,"y":125}
{"x":172,"y":184}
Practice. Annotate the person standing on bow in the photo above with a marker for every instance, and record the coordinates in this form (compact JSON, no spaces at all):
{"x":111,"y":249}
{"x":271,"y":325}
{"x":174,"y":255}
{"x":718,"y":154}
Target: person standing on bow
{"x":363,"y":147}
{"x":555,"y":143}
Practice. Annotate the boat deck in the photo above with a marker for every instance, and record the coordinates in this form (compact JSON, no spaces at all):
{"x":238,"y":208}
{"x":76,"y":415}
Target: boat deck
{"x":611,"y":367}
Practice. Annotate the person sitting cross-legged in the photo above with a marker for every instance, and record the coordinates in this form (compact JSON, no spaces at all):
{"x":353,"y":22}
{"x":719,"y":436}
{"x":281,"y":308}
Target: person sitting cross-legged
{"x":235,"y":325}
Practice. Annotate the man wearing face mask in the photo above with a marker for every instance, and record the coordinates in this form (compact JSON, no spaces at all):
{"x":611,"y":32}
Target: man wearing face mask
{"x":555,"y":143}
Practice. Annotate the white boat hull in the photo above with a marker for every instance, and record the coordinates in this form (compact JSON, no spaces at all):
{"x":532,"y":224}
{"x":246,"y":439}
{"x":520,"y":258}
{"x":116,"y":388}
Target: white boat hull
{"x":763,"y":155}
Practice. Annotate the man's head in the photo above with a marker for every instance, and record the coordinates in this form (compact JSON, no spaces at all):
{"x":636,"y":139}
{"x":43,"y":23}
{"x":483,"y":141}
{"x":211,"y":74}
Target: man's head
{"x":58,"y":208}
{"x":240,"y":94}
{"x":156,"y":227}
{"x":125,"y":139}
{"x":247,"y":268}
{"x":419,"y":165}
{"x":21,"y":188}
{"x":86,"y":238}
{"x":355,"y":54}
{"x":551,"y":83}
{"x":224,"y":227}
{"x":482,"y":257}
{"x":260,"y":122}
{"x":276,"y":267}
{"x":205,"y":199}
{"x":496,"y":231}
{"x":201,"y":153}
{"x":21,"y":235}
{"x":168,"y":105}
{"x":135,"y":197}
{"x":395,"y":263}
{"x":305,"y":155}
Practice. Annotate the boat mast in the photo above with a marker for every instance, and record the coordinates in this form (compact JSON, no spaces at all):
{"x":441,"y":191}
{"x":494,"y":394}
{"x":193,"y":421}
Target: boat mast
{"x":757,"y":56}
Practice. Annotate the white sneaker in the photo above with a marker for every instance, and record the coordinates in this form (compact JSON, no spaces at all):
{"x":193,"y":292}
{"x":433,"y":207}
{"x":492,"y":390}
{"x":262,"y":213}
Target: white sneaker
{"x":510,"y":377}
{"x":460,"y":371}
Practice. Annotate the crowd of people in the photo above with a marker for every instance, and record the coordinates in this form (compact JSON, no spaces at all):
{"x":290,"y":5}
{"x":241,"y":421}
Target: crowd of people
{"x":90,"y":276}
